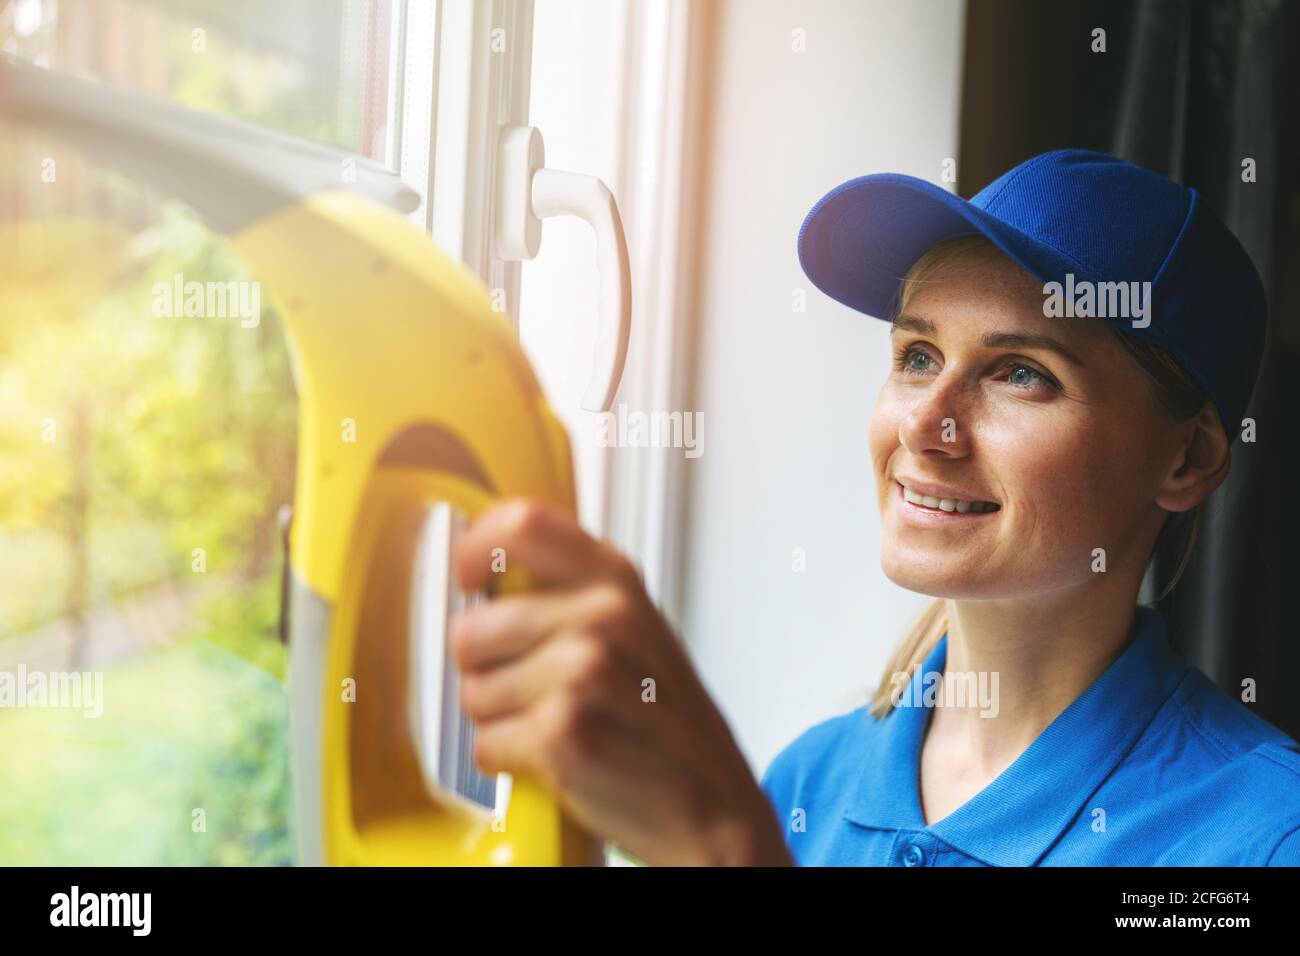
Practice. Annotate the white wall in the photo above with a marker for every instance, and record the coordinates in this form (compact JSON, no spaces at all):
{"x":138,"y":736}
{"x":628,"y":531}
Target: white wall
{"x":786,"y":396}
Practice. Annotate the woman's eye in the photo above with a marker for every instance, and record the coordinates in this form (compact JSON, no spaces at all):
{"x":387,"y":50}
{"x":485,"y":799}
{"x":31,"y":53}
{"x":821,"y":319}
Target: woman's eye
{"x":1022,"y":376}
{"x":914,"y":361}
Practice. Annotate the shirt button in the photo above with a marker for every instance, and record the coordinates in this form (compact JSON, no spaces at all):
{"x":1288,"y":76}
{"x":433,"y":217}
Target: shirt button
{"x":914,"y":856}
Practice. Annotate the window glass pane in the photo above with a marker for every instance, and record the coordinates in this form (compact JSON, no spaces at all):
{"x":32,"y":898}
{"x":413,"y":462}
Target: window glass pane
{"x":146,"y":454}
{"x":316,"y":68}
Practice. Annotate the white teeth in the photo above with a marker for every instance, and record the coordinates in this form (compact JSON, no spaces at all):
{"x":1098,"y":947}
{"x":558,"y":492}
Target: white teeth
{"x":947,"y":504}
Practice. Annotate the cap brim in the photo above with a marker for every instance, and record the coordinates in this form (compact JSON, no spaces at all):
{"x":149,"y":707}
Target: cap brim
{"x":858,"y":241}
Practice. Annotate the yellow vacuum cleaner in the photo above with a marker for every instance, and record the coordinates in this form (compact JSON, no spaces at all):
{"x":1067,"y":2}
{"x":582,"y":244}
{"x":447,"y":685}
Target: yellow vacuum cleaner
{"x":417,"y":409}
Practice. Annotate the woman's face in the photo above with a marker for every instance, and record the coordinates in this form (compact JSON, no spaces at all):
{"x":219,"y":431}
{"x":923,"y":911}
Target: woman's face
{"x":1042,"y":433}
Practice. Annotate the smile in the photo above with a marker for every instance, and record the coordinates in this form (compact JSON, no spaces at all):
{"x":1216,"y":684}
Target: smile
{"x":946,"y":504}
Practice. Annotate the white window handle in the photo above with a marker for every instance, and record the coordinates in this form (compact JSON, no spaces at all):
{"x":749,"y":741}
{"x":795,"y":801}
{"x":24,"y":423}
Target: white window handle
{"x":527,"y":193}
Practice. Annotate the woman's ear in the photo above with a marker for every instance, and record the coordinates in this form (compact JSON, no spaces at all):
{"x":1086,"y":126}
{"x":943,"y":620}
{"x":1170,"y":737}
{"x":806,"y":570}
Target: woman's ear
{"x":1205,"y":454}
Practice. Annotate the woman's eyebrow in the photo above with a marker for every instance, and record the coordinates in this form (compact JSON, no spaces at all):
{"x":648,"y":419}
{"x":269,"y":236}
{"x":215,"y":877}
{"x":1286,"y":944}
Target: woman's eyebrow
{"x":995,"y":340}
{"x":919,"y":326}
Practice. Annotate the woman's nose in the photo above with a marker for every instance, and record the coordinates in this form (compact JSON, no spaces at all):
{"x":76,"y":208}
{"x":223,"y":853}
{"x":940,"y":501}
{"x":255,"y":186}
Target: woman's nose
{"x":937,"y":419}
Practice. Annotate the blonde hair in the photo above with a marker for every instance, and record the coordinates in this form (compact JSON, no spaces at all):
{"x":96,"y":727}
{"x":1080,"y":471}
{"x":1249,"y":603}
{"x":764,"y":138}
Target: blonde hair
{"x":1175,"y":391}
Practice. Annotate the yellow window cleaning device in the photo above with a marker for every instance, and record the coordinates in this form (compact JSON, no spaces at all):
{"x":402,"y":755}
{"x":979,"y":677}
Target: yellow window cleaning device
{"x":417,"y":410}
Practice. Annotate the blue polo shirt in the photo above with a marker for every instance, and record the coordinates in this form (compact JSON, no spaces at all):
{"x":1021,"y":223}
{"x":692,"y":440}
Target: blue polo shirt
{"x":1152,"y":765}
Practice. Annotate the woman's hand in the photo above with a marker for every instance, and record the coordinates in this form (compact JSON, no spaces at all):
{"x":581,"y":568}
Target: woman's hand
{"x":582,"y":683}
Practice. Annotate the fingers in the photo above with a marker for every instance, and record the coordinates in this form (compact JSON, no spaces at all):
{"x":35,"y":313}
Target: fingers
{"x":545,"y":540}
{"x":498,"y":691}
{"x":508,"y":626}
{"x":557,"y":738}
{"x":528,"y":741}
{"x":540,"y":651}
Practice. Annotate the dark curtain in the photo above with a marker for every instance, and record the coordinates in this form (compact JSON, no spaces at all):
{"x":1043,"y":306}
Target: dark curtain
{"x":1187,"y":88}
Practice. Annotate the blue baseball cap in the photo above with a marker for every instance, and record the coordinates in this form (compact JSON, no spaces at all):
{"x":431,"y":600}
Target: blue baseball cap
{"x":1071,"y":216}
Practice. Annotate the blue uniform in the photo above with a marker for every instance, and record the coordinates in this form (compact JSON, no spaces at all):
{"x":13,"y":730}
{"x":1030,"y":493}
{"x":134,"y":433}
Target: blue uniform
{"x":1152,"y":765}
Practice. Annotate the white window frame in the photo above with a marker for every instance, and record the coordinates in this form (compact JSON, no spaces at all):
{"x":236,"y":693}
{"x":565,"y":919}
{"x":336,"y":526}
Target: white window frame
{"x":453,"y":93}
{"x":461,"y":82}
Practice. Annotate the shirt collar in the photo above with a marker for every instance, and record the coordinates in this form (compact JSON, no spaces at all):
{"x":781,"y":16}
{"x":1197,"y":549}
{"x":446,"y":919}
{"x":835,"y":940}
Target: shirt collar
{"x":1020,"y":815}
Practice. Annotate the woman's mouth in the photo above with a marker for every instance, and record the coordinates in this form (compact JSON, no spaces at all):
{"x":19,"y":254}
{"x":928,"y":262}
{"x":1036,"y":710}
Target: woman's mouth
{"x":952,"y":506}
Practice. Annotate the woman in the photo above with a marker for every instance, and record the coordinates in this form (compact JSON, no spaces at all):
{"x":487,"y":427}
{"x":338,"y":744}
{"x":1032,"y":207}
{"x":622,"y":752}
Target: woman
{"x":1074,"y":351}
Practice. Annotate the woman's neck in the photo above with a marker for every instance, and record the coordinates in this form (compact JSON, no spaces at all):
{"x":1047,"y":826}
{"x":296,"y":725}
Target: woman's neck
{"x":1037,"y":656}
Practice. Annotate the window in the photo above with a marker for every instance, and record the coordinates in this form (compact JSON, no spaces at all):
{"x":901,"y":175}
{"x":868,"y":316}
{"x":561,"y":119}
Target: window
{"x":154,"y":451}
{"x":315,"y":68}
{"x":148,"y":453}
